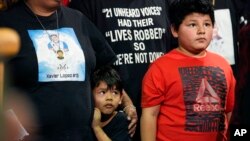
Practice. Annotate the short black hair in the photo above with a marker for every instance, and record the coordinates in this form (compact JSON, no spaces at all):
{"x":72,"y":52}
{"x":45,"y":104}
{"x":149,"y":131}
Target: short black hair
{"x":52,"y":35}
{"x":179,"y":9}
{"x":109,"y":75}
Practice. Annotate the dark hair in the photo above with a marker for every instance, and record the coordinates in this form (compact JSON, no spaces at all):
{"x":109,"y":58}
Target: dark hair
{"x":179,"y":9}
{"x":109,"y":76}
{"x":243,"y":77}
{"x":244,"y":58}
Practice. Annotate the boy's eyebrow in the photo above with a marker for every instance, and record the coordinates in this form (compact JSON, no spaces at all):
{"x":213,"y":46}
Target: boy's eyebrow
{"x":115,"y":89}
{"x":102,"y":88}
{"x":196,"y":20}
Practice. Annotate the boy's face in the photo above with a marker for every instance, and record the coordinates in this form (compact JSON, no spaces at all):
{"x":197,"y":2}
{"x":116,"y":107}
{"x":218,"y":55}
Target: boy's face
{"x":195,"y":33}
{"x":54,"y":38}
{"x":107,"y":100}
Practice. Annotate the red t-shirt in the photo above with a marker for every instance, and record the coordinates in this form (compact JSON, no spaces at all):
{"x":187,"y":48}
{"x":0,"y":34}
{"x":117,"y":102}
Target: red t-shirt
{"x":65,"y":2}
{"x":194,"y":95}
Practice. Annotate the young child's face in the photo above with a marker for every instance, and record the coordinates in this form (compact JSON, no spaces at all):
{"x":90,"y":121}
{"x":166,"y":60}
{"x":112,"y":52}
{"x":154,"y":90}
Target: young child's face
{"x":195,"y":33}
{"x":54,"y":38}
{"x":107,"y":100}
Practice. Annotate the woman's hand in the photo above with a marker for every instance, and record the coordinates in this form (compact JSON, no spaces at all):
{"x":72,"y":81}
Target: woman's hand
{"x":130,"y":110}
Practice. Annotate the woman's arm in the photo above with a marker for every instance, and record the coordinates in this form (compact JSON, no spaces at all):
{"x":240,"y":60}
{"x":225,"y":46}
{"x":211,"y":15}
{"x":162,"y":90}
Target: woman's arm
{"x":130,"y":111}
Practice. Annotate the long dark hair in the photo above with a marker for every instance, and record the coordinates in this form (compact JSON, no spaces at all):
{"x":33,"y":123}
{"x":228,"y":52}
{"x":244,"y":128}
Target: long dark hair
{"x":244,"y":57}
{"x":239,"y":116}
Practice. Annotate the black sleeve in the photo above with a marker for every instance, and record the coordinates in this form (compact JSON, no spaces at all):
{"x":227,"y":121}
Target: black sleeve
{"x":103,"y":51}
{"x":87,"y":7}
{"x":2,"y":19}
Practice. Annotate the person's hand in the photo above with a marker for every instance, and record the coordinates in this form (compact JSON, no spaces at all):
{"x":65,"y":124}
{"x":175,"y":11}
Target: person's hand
{"x":96,"y":118}
{"x":130,"y":110}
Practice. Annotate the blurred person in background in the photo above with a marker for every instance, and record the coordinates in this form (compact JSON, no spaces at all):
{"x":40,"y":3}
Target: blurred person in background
{"x":241,"y":114}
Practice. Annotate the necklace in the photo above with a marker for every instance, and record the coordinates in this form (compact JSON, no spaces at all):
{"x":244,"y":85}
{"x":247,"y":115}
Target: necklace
{"x":213,"y":2}
{"x":54,"y":44}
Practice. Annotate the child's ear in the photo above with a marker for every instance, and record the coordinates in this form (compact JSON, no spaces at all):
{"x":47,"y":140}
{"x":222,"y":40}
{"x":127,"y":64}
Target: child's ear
{"x":120,"y":102}
{"x":174,"y":31}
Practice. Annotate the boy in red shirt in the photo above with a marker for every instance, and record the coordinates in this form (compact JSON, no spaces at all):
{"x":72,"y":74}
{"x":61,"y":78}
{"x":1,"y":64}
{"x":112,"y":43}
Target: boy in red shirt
{"x":188,"y":94}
